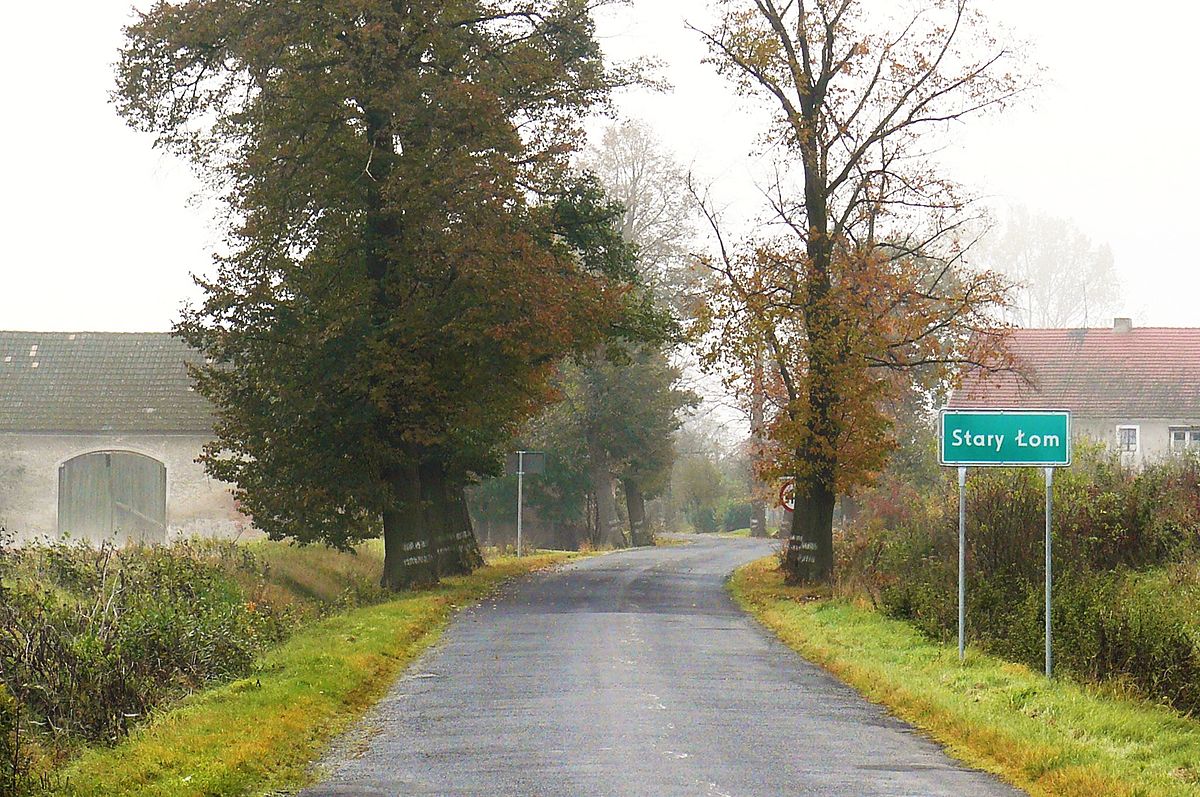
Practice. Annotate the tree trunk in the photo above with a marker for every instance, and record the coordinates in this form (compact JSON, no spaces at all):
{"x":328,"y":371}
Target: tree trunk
{"x":635,"y":503}
{"x":608,"y":525}
{"x":453,"y":545}
{"x":808,"y":558}
{"x":407,"y":559}
{"x":758,"y":401}
{"x":427,"y":529}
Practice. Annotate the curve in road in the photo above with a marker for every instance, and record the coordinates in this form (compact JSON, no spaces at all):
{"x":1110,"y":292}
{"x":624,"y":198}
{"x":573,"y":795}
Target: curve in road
{"x":632,"y":674}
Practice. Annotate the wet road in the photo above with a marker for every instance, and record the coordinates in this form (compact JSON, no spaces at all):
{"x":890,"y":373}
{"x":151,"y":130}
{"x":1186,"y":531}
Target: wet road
{"x":632,"y":674}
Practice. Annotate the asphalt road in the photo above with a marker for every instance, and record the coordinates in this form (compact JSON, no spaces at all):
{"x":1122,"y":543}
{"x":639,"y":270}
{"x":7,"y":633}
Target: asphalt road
{"x":632,"y":675}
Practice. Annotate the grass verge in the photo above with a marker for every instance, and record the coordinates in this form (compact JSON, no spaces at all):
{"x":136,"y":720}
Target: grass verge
{"x":1047,"y":737}
{"x":258,"y":734}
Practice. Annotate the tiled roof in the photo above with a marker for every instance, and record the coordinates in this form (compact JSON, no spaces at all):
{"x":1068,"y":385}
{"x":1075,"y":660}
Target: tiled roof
{"x":98,"y":381}
{"x":1097,"y":373}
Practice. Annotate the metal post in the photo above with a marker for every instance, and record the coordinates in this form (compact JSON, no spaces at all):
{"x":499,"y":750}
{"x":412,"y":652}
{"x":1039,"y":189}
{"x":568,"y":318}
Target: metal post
{"x":520,"y":494}
{"x":1049,"y":567}
{"x":962,"y":564}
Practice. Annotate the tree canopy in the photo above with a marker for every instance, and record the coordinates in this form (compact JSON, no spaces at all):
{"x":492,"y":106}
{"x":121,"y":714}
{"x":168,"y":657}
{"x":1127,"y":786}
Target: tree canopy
{"x":409,"y":255}
{"x":1063,"y":278}
{"x":856,"y":282}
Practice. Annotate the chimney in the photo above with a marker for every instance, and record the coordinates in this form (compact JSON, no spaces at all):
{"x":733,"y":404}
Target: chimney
{"x":1122,"y":326}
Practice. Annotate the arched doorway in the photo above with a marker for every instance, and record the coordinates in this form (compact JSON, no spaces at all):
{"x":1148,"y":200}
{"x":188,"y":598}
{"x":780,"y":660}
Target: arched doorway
{"x":113,"y":495}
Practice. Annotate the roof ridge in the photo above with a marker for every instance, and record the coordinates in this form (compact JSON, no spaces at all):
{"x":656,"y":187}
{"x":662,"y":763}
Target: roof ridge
{"x":1100,"y":329}
{"x":78,"y":332}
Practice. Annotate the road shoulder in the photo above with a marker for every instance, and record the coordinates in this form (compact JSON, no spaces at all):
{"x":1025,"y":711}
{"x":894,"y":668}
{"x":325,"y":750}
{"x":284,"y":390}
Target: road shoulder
{"x":1048,"y":738}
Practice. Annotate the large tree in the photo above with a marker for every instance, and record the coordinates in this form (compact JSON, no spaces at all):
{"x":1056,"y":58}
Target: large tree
{"x":407,"y":258}
{"x":620,"y":412}
{"x":1063,"y":278}
{"x":627,"y":411}
{"x":625,"y":408}
{"x":658,"y":214}
{"x":857,"y":279}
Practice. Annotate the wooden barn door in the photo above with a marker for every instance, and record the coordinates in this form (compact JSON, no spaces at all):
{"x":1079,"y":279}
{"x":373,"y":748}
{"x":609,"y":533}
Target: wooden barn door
{"x":114,"y":495}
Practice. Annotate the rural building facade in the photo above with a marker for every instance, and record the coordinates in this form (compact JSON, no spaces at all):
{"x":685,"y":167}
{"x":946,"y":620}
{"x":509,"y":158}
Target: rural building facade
{"x":99,"y":433}
{"x":1136,"y":390}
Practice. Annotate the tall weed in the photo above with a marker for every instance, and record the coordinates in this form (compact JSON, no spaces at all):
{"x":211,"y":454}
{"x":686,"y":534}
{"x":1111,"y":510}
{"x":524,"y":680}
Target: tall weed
{"x":92,"y":638}
{"x":1115,"y":531}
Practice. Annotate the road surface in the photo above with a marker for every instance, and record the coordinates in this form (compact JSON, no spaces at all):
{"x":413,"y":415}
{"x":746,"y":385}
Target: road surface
{"x":632,"y":675}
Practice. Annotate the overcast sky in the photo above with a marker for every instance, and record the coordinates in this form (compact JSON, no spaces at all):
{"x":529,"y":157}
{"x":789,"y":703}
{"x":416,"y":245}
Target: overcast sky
{"x":100,"y":232}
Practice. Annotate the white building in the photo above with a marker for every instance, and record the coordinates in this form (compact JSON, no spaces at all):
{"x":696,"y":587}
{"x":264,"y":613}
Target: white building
{"x":99,"y":433}
{"x":1138,"y":390}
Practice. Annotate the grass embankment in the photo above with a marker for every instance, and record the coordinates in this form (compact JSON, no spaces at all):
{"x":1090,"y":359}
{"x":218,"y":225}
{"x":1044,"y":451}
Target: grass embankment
{"x":1047,"y":737}
{"x":259,"y":733}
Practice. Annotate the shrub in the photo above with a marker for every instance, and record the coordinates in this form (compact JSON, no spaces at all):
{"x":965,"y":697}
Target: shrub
{"x":91,"y":639}
{"x":737,"y":516}
{"x":18,"y":775}
{"x":702,"y":518}
{"x":1113,"y":527}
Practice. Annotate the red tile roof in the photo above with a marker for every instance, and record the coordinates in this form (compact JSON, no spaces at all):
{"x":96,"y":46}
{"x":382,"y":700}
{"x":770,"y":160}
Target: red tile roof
{"x":1099,"y":373}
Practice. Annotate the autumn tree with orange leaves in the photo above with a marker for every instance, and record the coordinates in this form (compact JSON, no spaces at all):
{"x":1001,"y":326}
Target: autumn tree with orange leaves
{"x":856,"y":290}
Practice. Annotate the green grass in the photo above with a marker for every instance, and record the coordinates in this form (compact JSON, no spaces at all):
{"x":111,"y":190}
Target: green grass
{"x":259,"y":734}
{"x":1047,"y":737}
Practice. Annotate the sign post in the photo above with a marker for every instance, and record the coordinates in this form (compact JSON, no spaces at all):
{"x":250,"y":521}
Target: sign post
{"x":520,"y":496}
{"x":520,"y":463}
{"x":1003,"y":438}
{"x":962,"y":563}
{"x":1049,"y":566}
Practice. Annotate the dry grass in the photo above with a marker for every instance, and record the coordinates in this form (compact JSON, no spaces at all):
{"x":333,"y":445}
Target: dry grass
{"x":308,"y":578}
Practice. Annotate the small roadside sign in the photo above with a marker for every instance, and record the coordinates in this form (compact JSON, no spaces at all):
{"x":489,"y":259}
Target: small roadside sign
{"x":787,"y":495}
{"x":525,"y":462}
{"x":996,"y":438}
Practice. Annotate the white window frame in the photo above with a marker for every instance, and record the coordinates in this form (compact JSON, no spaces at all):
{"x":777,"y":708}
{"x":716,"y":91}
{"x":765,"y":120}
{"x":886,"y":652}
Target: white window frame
{"x":1137,"y":438}
{"x":1191,"y":438}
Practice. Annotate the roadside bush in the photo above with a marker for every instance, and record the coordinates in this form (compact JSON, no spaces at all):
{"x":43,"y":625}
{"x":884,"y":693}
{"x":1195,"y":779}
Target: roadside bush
{"x":702,"y":518}
{"x":19,"y":772}
{"x":92,"y":639}
{"x":737,"y":516}
{"x":1115,"y":532}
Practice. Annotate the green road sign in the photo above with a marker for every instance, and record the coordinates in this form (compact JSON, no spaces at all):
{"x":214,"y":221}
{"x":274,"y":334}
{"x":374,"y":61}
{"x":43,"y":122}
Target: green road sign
{"x":981,"y":438}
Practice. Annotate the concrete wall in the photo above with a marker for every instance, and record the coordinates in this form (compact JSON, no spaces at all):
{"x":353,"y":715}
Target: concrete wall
{"x":196,"y":504}
{"x":1154,"y":436}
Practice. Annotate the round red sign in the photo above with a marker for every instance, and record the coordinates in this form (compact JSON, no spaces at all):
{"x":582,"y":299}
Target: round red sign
{"x":787,"y":495}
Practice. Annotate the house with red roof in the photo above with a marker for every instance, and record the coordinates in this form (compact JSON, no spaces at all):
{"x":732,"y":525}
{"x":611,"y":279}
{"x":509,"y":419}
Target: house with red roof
{"x":99,"y":435}
{"x":1136,"y":389}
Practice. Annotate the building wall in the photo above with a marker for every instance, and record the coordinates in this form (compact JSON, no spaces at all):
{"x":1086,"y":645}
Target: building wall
{"x":1154,"y":435}
{"x":196,"y":504}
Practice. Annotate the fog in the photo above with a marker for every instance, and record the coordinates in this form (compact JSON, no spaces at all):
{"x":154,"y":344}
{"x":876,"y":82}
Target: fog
{"x":101,"y":231}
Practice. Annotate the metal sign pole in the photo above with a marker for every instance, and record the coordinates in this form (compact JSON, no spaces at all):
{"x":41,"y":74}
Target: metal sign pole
{"x":1049,"y":579}
{"x":962,"y":564}
{"x":520,"y":494}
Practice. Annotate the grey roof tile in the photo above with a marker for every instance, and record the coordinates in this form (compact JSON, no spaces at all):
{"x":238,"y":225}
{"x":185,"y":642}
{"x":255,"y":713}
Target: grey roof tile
{"x":99,"y":381}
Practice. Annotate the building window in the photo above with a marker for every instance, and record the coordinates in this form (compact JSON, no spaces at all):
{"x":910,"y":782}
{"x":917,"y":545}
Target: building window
{"x":1127,"y":439}
{"x":1185,"y":437}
